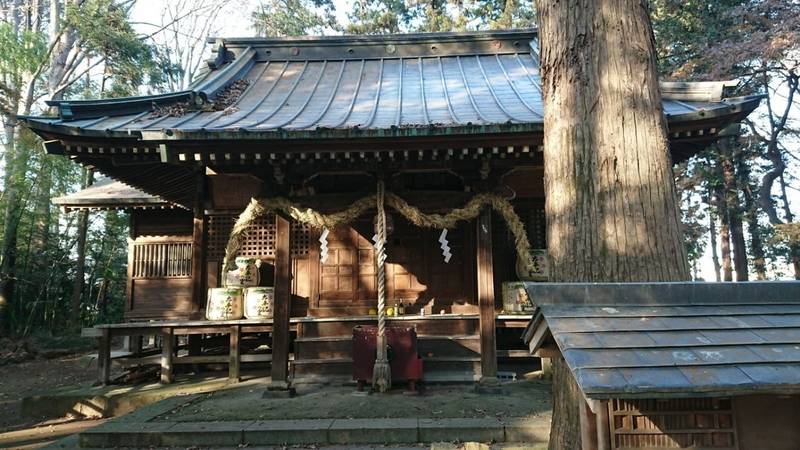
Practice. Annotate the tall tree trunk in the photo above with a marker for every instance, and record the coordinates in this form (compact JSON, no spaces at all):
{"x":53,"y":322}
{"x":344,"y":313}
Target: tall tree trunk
{"x":751,"y":215}
{"x":80,"y":262}
{"x":725,"y":246}
{"x":794,"y":249}
{"x":734,"y":208}
{"x":611,"y":204}
{"x":712,"y":231}
{"x":15,"y":168}
{"x":724,"y":222}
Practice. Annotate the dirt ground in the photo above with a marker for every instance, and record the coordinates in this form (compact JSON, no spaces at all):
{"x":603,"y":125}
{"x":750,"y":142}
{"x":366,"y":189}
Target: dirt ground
{"x":30,"y":377}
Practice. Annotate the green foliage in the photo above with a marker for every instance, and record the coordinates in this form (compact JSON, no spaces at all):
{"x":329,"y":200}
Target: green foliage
{"x":105,"y":32}
{"x":717,"y":39}
{"x":379,"y":17}
{"x":685,"y":30}
{"x":294,"y":17}
{"x":395,"y":16}
{"x":22,"y":53}
{"x":503,"y":14}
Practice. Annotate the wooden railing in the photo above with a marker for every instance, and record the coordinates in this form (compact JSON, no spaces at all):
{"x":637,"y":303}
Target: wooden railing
{"x":162,"y":258}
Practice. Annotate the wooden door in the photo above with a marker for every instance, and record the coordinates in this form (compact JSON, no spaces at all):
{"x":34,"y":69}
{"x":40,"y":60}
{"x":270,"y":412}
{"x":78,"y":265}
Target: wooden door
{"x":347,"y":277}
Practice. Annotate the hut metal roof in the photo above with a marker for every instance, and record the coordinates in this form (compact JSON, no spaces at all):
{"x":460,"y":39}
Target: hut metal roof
{"x":672,"y":339}
{"x":345,"y":86}
{"x":109,"y":194}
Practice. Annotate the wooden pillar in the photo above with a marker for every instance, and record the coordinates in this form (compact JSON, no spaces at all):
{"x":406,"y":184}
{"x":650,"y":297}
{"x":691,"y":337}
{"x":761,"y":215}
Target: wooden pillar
{"x":235,"y":354}
{"x":104,"y":357}
{"x":199,"y":242}
{"x":138,"y":343}
{"x":280,"y":317}
{"x":603,"y":428}
{"x":485,"y":285}
{"x":131,"y":248}
{"x":167,"y":346}
{"x":588,"y":427}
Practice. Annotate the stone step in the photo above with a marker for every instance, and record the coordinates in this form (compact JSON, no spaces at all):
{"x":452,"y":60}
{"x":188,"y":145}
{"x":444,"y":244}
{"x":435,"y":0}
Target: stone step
{"x":534,"y":432}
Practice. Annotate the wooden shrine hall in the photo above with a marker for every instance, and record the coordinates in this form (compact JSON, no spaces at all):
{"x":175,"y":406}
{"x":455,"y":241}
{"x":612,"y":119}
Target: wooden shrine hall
{"x":438,"y":119}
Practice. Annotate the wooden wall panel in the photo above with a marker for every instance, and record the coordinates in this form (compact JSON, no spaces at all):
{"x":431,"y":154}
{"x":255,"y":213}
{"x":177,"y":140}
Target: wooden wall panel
{"x":161,"y":298}
{"x":526,"y":182}
{"x":233,"y":191}
{"x":161,"y":222}
{"x":698,"y":423}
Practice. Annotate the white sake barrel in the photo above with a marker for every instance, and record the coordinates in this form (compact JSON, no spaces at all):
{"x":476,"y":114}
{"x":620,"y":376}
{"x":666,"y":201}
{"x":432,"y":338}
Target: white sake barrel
{"x":245,"y":274}
{"x":224,"y":304}
{"x":258,"y":302}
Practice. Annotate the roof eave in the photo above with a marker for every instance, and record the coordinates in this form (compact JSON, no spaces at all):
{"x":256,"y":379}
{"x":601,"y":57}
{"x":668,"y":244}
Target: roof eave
{"x":251,"y":134}
{"x":738,"y":105}
{"x":727,"y":391}
{"x":91,"y":109}
{"x":399,"y":38}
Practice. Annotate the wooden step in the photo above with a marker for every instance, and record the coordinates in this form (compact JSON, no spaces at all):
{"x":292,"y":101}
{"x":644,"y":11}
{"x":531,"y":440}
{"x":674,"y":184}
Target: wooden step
{"x":324,"y":338}
{"x":319,"y":348}
{"x":320,"y":367}
{"x":465,"y":326}
{"x":451,"y":364}
{"x":515,"y":353}
{"x":461,"y":345}
{"x":326,"y":347}
{"x":436,"y":369}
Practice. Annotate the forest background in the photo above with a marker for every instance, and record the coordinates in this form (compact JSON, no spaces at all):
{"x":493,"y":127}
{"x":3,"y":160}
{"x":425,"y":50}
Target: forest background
{"x":61,"y":271}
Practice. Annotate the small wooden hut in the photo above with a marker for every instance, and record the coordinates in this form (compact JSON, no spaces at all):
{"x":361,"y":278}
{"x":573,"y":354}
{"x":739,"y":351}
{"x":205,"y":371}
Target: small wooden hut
{"x":706,"y":366}
{"x":438,"y":118}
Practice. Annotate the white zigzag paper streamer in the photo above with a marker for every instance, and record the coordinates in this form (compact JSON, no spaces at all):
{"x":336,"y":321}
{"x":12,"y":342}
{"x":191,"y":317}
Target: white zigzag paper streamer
{"x":445,"y":246}
{"x":323,"y":245}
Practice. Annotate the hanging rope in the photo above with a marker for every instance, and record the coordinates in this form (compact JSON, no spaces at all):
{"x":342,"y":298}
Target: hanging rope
{"x":382,"y":372}
{"x":260,"y":207}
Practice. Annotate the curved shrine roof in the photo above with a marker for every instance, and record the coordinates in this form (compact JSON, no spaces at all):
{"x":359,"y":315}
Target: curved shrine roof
{"x":399,"y":85}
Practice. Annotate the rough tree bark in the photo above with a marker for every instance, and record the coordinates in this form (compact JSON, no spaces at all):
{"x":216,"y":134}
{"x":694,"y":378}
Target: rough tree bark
{"x":712,"y":231}
{"x":733,"y":208}
{"x":80,"y":263}
{"x":794,"y":249}
{"x":721,"y":209}
{"x":611,"y":203}
{"x":751,"y":216}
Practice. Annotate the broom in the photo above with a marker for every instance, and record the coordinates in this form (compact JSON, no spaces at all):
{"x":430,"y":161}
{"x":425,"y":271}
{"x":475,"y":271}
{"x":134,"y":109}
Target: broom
{"x":381,"y":372}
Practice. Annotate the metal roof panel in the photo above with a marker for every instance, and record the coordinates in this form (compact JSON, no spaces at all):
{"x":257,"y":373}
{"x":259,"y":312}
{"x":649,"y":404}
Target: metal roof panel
{"x":380,"y":83}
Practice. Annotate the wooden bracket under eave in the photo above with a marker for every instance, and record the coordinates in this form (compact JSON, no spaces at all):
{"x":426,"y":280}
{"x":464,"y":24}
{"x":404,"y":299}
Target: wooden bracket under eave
{"x":54,"y":147}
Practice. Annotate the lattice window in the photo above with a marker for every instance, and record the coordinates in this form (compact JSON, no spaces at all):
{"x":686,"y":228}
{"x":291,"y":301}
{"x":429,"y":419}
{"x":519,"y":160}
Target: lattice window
{"x":301,"y":240}
{"x":259,"y":242}
{"x":162,"y":259}
{"x":698,"y":423}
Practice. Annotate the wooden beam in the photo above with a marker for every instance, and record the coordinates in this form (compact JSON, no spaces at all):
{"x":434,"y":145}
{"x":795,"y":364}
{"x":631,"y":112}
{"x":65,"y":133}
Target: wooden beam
{"x":588,"y":427}
{"x":235,"y":354}
{"x":167,"y":346}
{"x":280,"y":318}
{"x":199,"y":241}
{"x":314,"y":266}
{"x":485,"y":288}
{"x":603,"y":426}
{"x":129,"y":281}
{"x":104,"y":357}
